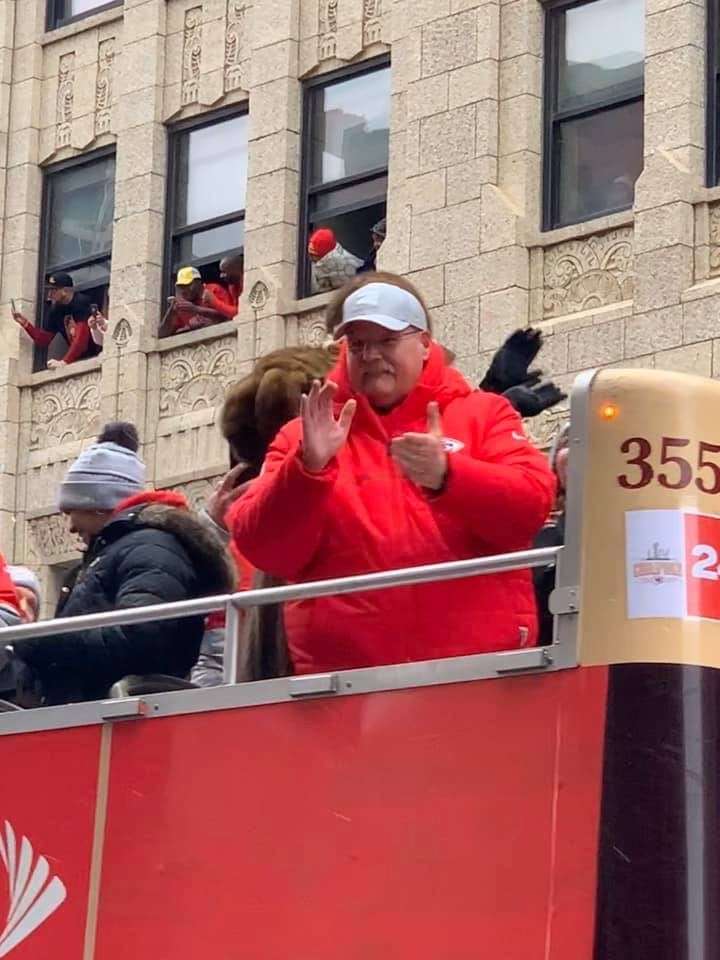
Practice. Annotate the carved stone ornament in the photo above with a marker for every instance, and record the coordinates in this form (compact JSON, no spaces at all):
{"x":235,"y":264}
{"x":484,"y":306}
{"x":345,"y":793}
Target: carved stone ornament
{"x":259,"y":295}
{"x":122,"y":332}
{"x":49,"y":539}
{"x":372,"y":22}
{"x":587,"y":274}
{"x":103,"y":86}
{"x":65,"y":100}
{"x":327,"y":29}
{"x":192,"y":55}
{"x":236,"y":54}
{"x":197,"y":377}
{"x":714,"y":216}
{"x":65,"y":410}
{"x":198,"y":491}
{"x":311,"y":330}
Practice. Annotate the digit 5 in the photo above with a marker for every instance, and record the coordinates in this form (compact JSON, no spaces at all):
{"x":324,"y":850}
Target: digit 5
{"x":711,"y":465}
{"x":685,"y":476}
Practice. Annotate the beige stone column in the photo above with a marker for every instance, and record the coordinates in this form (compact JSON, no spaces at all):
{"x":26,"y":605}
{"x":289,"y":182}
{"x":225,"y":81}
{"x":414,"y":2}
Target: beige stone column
{"x":137,"y":264}
{"x":444,"y":203}
{"x":273,"y":177}
{"x":673,"y":174}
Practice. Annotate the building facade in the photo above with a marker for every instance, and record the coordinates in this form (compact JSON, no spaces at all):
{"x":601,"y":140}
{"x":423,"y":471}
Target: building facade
{"x":553,"y":164}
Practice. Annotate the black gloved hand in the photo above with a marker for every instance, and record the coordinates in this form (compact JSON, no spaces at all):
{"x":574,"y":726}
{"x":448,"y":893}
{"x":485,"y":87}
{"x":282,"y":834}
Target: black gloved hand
{"x":509,"y":367}
{"x":529,"y":400}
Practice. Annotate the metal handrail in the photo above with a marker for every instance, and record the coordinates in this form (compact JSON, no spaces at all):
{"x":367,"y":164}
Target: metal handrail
{"x":501,"y":563}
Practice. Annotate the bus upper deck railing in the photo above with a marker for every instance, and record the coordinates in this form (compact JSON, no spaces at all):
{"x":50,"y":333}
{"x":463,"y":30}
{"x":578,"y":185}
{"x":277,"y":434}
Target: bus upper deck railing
{"x":561,"y":655}
{"x":428,"y":573}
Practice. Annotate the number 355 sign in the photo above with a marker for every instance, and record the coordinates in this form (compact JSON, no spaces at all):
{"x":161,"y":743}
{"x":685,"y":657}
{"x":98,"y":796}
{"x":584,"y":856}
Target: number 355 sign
{"x":672,"y":564}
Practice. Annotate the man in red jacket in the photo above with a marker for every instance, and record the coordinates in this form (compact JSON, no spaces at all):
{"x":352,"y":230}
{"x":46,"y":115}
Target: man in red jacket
{"x":68,"y":316}
{"x":397,"y":462}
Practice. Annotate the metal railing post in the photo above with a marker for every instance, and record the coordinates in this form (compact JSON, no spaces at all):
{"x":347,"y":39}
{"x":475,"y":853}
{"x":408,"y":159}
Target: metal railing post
{"x":231,"y":656}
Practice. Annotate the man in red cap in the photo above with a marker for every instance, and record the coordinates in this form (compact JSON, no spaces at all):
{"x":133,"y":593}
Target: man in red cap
{"x":333,"y":265}
{"x":68,"y":316}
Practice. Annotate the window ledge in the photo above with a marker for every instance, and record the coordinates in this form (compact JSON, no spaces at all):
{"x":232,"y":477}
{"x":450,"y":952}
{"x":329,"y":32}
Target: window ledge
{"x":196,"y":336}
{"x":307,"y":304}
{"x":704,"y":288}
{"x":93,"y":20}
{"x":577,"y":231}
{"x":708,"y":194}
{"x":62,"y":373}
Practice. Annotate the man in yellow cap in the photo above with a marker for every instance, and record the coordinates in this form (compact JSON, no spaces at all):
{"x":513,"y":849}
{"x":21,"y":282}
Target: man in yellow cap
{"x":187,"y":309}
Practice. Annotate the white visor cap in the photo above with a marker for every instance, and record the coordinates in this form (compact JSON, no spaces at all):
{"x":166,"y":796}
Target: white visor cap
{"x":384,"y":304}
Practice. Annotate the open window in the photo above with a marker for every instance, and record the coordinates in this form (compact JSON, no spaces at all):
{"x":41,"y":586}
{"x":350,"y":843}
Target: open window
{"x":345,"y":160}
{"x":206,"y":202}
{"x":594,"y":85}
{"x":77,"y":229}
{"x":60,"y":12}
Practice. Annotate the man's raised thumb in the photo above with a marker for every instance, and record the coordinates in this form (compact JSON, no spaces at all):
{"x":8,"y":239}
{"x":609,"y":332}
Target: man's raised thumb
{"x":434,"y":420}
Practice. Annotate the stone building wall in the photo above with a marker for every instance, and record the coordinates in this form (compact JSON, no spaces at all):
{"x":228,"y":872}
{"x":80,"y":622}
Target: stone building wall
{"x":464,"y":207}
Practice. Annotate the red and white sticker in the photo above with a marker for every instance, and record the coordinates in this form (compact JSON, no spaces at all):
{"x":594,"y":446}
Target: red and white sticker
{"x":672,"y":564}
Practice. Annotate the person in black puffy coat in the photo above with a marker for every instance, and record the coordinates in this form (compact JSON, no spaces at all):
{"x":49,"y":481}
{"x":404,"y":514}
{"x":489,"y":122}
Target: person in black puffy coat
{"x":143,"y":548}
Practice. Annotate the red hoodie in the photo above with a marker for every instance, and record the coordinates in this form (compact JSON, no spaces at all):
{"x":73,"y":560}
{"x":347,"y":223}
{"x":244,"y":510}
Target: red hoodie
{"x":8,"y":593}
{"x":361,"y":514}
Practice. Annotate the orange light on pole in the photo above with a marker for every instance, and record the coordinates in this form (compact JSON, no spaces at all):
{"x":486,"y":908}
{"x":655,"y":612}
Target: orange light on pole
{"x":609,"y":411}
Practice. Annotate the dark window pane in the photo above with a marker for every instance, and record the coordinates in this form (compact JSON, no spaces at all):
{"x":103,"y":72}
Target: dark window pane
{"x":81,"y":212}
{"x":95,"y":275}
{"x":602,"y":52}
{"x":353,"y":229}
{"x":601,"y":157}
{"x":350,"y":127}
{"x":212,"y":171}
{"x":359,"y":194}
{"x":209,"y":244}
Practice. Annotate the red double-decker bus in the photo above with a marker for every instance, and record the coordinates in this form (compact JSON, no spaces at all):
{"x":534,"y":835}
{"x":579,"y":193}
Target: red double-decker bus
{"x":559,"y":803}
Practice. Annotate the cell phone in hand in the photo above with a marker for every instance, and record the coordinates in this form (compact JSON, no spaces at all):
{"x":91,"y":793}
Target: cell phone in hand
{"x":94,"y":309}
{"x":12,"y":306}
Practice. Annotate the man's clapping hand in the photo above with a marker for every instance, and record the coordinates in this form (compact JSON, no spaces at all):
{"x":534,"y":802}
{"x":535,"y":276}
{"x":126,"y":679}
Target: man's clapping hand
{"x":323,"y":435}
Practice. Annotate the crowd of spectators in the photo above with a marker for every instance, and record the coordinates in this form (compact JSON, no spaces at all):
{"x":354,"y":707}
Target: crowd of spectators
{"x":195,"y":303}
{"x":81,"y":324}
{"x":367,"y":454}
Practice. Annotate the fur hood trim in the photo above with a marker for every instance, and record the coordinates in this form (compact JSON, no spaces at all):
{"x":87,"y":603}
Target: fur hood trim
{"x":212,"y":562}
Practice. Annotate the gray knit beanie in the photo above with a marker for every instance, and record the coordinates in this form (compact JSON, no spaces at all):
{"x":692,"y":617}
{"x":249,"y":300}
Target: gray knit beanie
{"x":25,"y":577}
{"x":102,"y":476}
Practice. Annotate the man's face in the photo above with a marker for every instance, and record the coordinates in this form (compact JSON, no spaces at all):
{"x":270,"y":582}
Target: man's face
{"x":87,"y":523}
{"x":189,"y":291}
{"x":232,"y":270}
{"x":383,"y":365}
{"x":28,"y":604}
{"x":54,"y":295}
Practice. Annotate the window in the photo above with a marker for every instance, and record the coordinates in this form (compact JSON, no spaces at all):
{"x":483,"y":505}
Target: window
{"x":593,"y":109}
{"x":345,"y":163}
{"x":206,"y":205}
{"x":713,"y":93}
{"x":78,"y":208}
{"x":61,"y":12}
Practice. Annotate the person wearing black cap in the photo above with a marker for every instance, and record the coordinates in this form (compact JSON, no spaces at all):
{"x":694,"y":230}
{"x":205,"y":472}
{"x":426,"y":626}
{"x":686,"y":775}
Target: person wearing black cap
{"x":68,"y":316}
{"x":377,"y":236}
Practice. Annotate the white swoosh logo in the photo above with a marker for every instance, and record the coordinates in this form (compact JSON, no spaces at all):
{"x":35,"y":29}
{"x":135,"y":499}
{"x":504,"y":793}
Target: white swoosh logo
{"x":32,"y":899}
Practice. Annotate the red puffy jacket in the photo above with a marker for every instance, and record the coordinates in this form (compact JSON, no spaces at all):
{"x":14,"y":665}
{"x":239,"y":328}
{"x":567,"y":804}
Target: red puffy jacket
{"x":361,"y":514}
